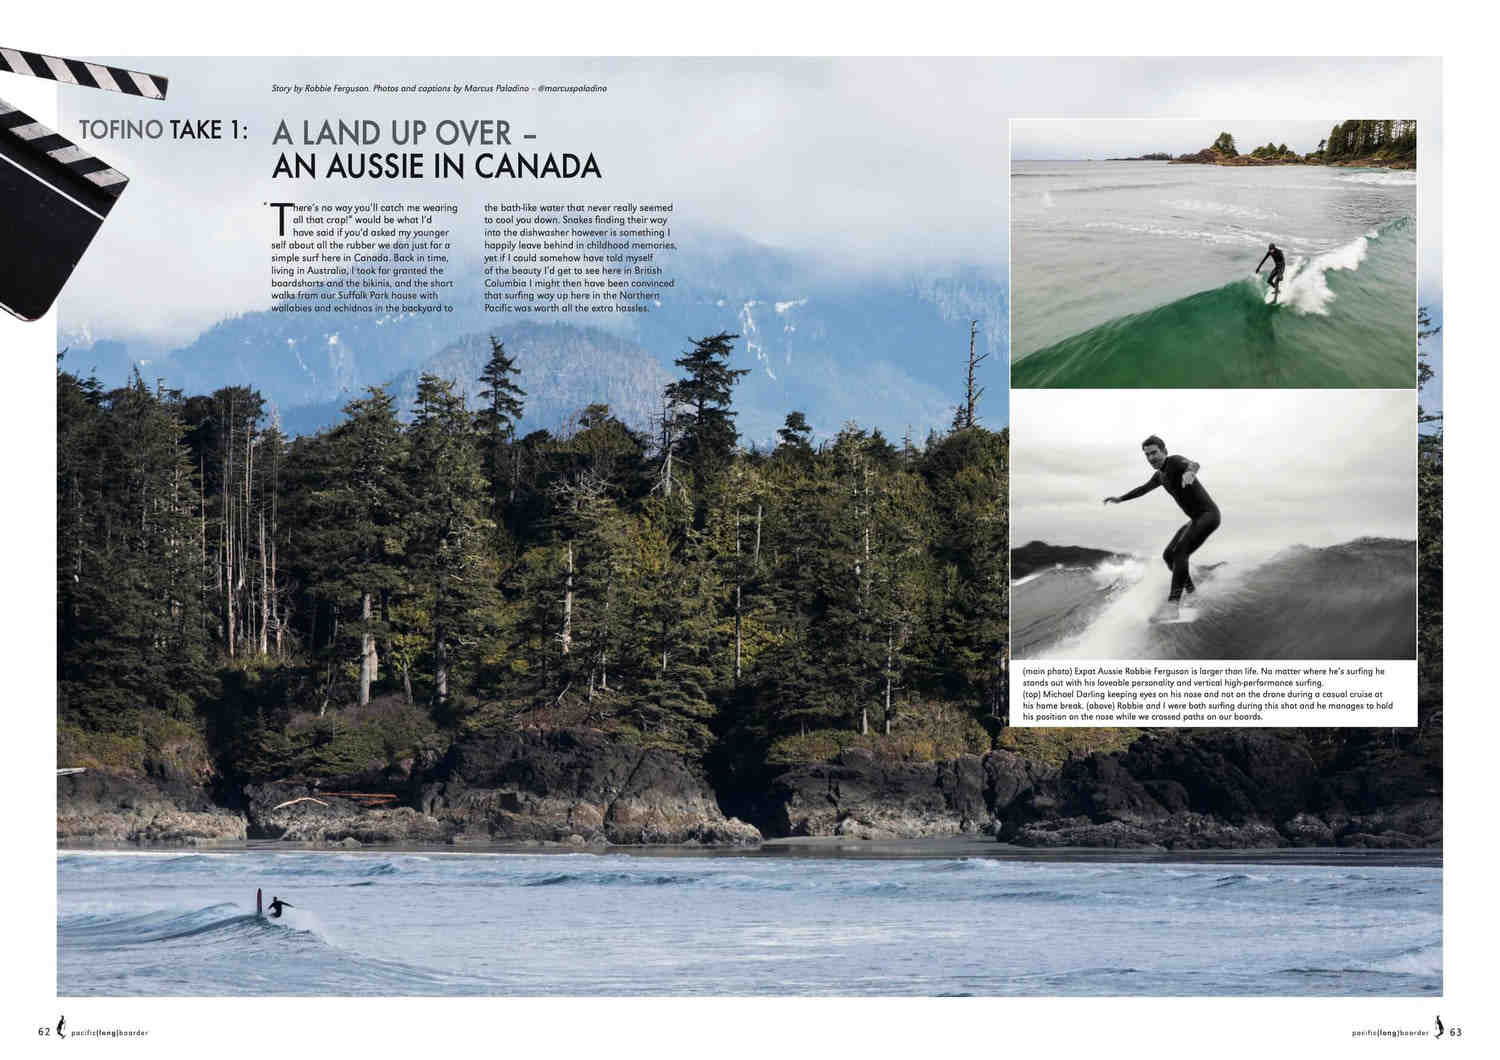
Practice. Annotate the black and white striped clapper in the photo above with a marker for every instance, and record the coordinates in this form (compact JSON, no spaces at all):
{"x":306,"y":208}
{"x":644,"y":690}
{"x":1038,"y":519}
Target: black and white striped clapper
{"x":54,"y":195}
{"x":78,"y":72}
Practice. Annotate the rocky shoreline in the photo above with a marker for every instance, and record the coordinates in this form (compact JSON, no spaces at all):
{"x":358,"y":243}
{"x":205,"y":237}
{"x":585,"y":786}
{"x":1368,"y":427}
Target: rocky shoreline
{"x":1209,"y":158}
{"x":1168,"y":791}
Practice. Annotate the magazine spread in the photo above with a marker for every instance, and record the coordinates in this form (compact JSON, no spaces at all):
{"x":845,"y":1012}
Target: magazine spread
{"x":738,"y":527}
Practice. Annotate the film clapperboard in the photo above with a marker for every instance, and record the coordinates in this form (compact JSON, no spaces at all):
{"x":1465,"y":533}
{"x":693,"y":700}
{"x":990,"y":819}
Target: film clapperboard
{"x":54,"y":195}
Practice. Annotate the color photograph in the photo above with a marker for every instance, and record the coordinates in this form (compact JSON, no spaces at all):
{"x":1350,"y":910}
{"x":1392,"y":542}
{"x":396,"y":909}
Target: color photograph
{"x":1189,"y":254}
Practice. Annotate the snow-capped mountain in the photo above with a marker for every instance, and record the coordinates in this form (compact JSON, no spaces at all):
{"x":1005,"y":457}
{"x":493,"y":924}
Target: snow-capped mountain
{"x":886,"y":349}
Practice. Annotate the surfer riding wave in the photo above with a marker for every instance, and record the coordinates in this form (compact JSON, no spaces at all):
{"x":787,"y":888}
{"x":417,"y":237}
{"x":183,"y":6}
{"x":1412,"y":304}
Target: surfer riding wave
{"x":276,"y":905}
{"x":1278,"y":268}
{"x":1179,"y":476}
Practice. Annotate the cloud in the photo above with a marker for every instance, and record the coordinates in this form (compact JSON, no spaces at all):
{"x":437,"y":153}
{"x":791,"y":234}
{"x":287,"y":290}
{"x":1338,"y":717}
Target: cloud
{"x":870,"y":163}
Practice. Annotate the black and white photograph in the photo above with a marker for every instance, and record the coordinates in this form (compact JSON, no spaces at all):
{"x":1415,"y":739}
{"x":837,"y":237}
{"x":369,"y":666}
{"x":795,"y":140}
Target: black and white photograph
{"x":1213,"y":525}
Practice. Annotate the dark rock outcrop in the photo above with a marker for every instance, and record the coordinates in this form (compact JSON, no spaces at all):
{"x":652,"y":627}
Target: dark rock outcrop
{"x":1228,"y":788}
{"x":1038,"y":555}
{"x":1178,"y":790}
{"x":295,"y":811}
{"x":867,"y":797}
{"x":98,"y":807}
{"x":1178,"y":831}
{"x":570,"y":786}
{"x":574,"y":786}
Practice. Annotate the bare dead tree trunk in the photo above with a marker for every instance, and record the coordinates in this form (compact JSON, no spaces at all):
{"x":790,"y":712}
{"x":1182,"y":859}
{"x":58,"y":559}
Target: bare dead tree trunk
{"x":276,"y":617}
{"x":668,"y":444}
{"x":332,"y":669}
{"x":265,"y":590}
{"x":440,"y":663}
{"x":367,"y":651}
{"x":609,"y":595}
{"x":738,"y":619}
{"x":245,"y":509}
{"x":275,"y":509}
{"x":971,"y":393}
{"x":737,"y":587}
{"x":228,"y":572}
{"x":203,"y":609}
{"x":567,"y":627}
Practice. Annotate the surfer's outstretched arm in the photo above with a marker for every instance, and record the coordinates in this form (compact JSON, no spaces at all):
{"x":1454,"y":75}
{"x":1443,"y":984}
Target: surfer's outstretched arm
{"x":1262,"y":261}
{"x":1139,"y":491}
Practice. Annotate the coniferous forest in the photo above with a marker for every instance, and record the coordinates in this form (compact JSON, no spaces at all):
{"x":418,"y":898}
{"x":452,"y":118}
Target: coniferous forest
{"x":319,"y":604}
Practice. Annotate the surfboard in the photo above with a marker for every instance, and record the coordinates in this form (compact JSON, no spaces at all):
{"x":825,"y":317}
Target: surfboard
{"x":1187,"y":614}
{"x":258,"y":910}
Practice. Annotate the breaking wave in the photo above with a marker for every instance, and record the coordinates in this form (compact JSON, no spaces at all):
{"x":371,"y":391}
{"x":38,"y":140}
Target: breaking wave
{"x":1356,"y":600}
{"x":1345,"y":317}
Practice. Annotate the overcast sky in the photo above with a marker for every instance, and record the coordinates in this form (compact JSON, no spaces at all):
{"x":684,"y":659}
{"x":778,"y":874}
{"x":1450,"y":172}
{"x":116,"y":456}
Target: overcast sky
{"x":1285,"y":467}
{"x":870,"y":162}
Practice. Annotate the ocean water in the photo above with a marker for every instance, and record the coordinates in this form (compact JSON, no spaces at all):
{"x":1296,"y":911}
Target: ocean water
{"x":1142,"y":274}
{"x":433,"y":923}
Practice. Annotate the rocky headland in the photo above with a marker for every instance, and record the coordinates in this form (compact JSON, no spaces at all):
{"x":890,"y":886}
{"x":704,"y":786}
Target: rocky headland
{"x":1168,"y":790}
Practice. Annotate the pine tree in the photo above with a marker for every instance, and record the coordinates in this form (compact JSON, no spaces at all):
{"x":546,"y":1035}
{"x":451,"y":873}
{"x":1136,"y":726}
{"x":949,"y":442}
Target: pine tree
{"x":672,"y":623}
{"x":131,"y":635}
{"x":353,"y":518}
{"x":968,"y":476}
{"x":701,"y":402}
{"x":451,"y":572}
{"x":224,"y":434}
{"x":902,"y":519}
{"x":501,"y":409}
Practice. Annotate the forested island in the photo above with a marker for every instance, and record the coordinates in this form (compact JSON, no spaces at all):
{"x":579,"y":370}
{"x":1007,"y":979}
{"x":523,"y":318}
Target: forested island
{"x":1380,"y":143}
{"x":437,"y":631}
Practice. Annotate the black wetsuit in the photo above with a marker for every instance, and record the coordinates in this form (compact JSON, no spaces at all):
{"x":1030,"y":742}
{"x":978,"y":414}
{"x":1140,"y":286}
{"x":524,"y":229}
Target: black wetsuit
{"x":276,"y":905}
{"x":1279,"y":266}
{"x":1202,"y":513}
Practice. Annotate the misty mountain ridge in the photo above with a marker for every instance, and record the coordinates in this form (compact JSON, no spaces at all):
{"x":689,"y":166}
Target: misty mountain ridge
{"x":886,"y":350}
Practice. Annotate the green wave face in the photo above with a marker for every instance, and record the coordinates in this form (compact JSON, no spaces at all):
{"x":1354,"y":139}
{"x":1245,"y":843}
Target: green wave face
{"x":1346,"y":318}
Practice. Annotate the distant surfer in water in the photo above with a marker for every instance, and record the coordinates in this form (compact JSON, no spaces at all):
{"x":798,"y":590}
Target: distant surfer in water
{"x":1180,"y":477}
{"x":1278,"y":268}
{"x":277,"y":904}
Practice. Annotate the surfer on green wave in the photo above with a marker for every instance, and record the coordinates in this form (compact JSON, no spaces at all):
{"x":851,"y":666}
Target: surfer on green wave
{"x":1179,"y":476}
{"x":1278,"y":268}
